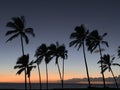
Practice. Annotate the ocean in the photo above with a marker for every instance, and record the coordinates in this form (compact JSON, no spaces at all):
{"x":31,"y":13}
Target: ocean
{"x":50,"y":85}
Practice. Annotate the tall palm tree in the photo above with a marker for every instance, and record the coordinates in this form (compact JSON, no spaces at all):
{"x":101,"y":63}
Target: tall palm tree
{"x":42,"y":53}
{"x":63,"y":55}
{"x":38,"y":62}
{"x":57,"y":51}
{"x":79,"y":38}
{"x":53,"y":49}
{"x":18,"y":29}
{"x":22,"y":64}
{"x":29,"y":69}
{"x":107,"y":62}
{"x":93,"y":41}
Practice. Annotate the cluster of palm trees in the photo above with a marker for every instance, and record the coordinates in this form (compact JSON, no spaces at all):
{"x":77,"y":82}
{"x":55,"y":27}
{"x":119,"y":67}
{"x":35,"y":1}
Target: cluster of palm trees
{"x":17,"y":24}
{"x":92,"y":40}
{"x":48,"y":53}
{"x":43,"y":52}
{"x":81,"y":37}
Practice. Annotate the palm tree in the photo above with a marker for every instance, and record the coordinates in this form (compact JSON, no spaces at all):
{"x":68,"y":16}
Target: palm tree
{"x":42,"y":53}
{"x":18,"y":29}
{"x":29,"y":69}
{"x":57,"y":51}
{"x":22,"y":64}
{"x":79,"y":37}
{"x":107,"y":62}
{"x":93,"y":41}
{"x":38,"y":62}
{"x":54,"y":52}
{"x":63,"y":54}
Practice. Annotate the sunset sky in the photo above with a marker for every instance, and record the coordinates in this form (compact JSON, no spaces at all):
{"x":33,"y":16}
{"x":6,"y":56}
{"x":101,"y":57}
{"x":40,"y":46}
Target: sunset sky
{"x":55,"y":20}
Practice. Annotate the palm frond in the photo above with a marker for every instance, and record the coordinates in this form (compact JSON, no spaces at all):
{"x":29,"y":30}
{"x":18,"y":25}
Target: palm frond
{"x":18,"y":22}
{"x":104,"y":34}
{"x":20,"y":71}
{"x":15,"y":21}
{"x":12,"y":37}
{"x":72,"y":43}
{"x":116,"y":64}
{"x":25,"y":37}
{"x":29,"y":69}
{"x":104,"y":69}
{"x":24,"y":59}
{"x":30,"y":31}
{"x":18,"y":66}
{"x":47,"y":59}
{"x":100,"y":61}
{"x":106,"y":43}
{"x":118,"y":51}
{"x":73,"y":35}
{"x":38,"y":60}
{"x":31,"y":63}
{"x":104,"y":66}
{"x":11,"y":25}
{"x":11,"y":32}
{"x":79,"y":45}
{"x":113,"y":58}
{"x":23,"y":20}
{"x":52,"y":48}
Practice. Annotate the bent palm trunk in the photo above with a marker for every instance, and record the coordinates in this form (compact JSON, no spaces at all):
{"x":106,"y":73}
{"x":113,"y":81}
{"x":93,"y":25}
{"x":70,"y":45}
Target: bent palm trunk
{"x":39,"y":77}
{"x":86,"y":65}
{"x":63,"y":75}
{"x":102,"y":68}
{"x":59,"y":72}
{"x":46,"y":77}
{"x":114,"y":78}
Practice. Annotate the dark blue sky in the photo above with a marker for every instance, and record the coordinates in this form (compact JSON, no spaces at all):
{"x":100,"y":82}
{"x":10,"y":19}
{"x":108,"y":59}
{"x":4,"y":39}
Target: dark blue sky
{"x":55,"y":20}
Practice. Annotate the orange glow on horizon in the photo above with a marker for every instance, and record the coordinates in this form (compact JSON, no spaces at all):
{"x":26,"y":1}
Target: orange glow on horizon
{"x":52,"y":77}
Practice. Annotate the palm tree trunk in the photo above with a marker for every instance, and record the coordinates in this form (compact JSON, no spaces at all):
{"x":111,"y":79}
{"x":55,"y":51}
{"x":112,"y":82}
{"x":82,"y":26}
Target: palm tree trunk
{"x":22,"y":44}
{"x":59,"y":72}
{"x":25,"y":80}
{"x":63,"y":75}
{"x":102,"y":68}
{"x":86,"y":65}
{"x":29,"y":83}
{"x":39,"y":77}
{"x":59,"y":69}
{"x":114,"y":78}
{"x":46,"y":77}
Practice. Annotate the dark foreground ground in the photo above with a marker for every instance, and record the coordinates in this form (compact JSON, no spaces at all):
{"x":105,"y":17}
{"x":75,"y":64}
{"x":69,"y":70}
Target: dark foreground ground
{"x":71,"y":89}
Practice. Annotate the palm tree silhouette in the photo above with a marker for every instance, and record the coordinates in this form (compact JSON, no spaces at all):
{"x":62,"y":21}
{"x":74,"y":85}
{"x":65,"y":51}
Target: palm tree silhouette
{"x":57,"y":51}
{"x":93,"y":41}
{"x":42,"y":53}
{"x":79,"y":37}
{"x":38,"y":62}
{"x":22,"y":64}
{"x":29,"y":69}
{"x":18,"y":29}
{"x":107,"y":62}
{"x":63,"y":54}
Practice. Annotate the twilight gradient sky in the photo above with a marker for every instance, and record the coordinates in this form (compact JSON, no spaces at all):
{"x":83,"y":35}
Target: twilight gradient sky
{"x":55,"y":20}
